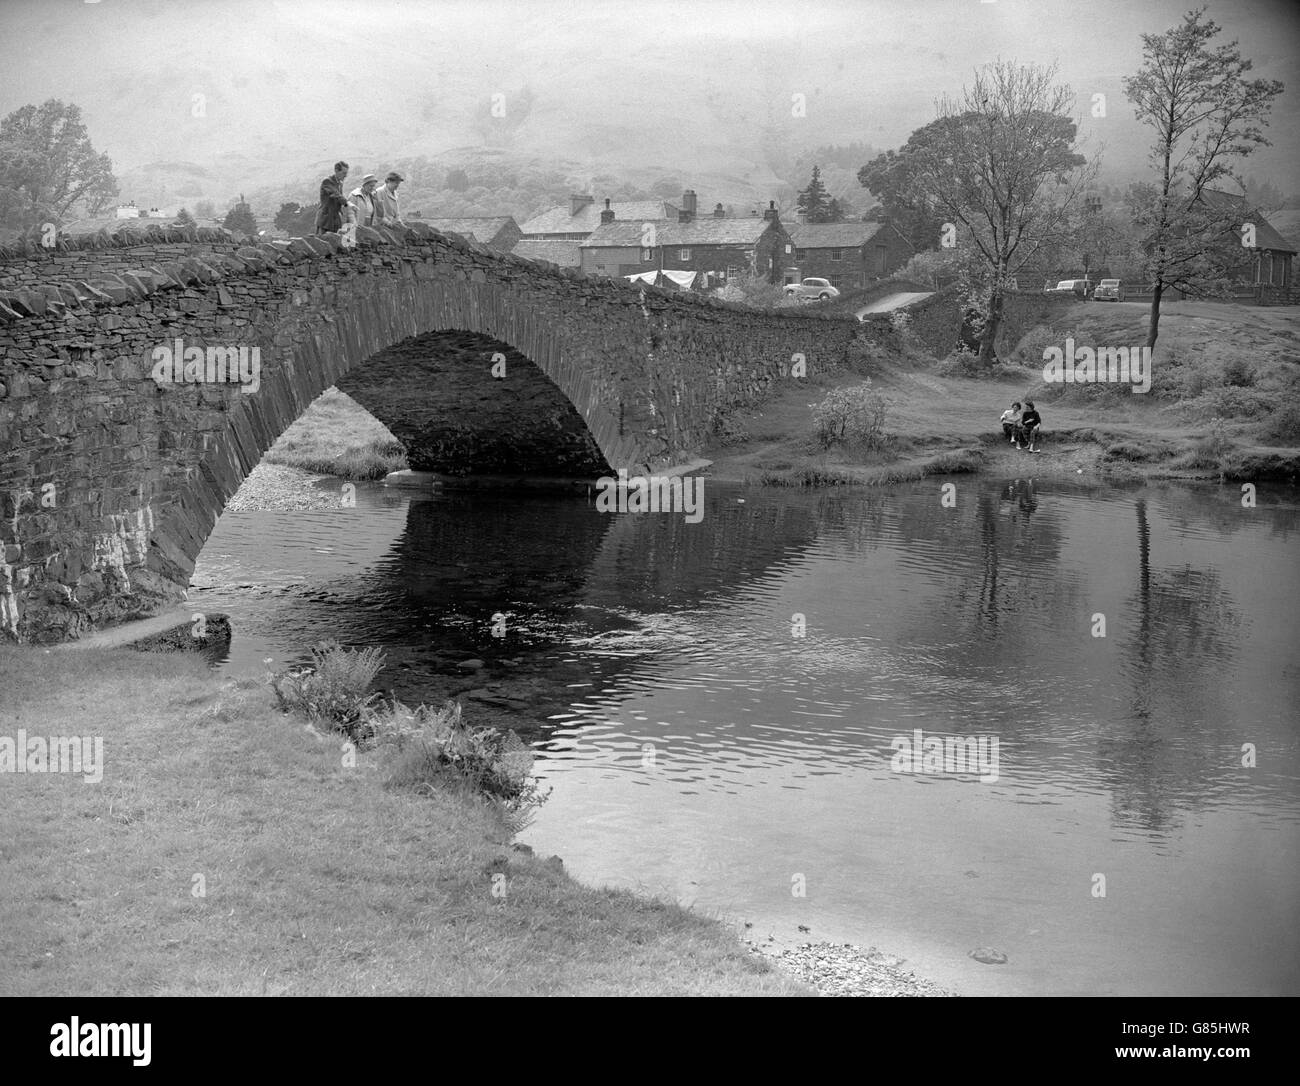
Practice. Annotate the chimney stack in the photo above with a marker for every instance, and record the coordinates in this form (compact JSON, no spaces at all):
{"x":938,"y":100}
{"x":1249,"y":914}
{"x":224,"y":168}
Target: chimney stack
{"x":718,"y":212}
{"x":606,"y":216}
{"x":770,"y":213}
{"x":687,"y":213}
{"x":577,"y":202}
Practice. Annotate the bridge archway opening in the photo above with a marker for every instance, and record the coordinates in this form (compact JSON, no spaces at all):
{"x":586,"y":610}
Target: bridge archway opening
{"x":464,"y":403}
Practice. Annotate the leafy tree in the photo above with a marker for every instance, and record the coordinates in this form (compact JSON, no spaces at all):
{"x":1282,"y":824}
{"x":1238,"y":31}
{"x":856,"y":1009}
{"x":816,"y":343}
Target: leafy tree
{"x":457,"y":180}
{"x":999,"y":165}
{"x":239,"y":219}
{"x":296,"y":220}
{"x":909,"y":211}
{"x":814,"y":202}
{"x":184,"y":218}
{"x":1204,"y":113}
{"x":48,"y":165}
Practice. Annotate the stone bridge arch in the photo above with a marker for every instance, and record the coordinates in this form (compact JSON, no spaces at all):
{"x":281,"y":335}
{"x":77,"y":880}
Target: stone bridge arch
{"x":110,"y":483}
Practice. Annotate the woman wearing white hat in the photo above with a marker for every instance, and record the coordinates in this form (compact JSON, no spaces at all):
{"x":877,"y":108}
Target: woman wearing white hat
{"x":363,"y":201}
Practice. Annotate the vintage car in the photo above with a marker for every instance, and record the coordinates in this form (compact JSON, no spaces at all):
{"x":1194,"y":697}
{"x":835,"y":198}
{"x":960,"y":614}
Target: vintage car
{"x":1109,"y":290}
{"x":812,"y":289}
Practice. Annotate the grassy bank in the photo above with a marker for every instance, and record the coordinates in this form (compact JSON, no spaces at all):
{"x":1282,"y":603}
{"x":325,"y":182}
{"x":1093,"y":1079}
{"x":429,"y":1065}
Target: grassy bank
{"x":228,"y":850}
{"x":337,"y":436}
{"x":1223,"y":405}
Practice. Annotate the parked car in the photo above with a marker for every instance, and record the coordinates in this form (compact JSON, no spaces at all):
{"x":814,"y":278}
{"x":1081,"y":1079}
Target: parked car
{"x":1080,"y":288}
{"x":1109,"y":290}
{"x":809,"y":289}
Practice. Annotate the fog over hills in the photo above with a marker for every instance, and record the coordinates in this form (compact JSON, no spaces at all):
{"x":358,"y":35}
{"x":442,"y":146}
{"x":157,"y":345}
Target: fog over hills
{"x":631,"y":91}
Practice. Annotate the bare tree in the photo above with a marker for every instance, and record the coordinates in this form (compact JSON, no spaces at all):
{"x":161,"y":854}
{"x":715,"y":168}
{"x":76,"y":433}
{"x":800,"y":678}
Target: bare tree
{"x":1205,"y":114}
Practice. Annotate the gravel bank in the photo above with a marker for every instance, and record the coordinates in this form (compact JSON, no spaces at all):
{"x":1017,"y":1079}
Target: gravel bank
{"x":847,"y":970}
{"x":276,"y":486}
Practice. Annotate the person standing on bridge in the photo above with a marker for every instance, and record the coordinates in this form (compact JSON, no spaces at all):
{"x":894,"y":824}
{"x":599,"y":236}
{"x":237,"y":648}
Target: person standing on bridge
{"x":386,"y":210}
{"x":329,"y":216}
{"x":363,"y":201}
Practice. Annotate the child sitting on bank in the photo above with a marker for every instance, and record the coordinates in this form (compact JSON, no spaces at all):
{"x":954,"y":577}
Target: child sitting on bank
{"x":1010,"y":420}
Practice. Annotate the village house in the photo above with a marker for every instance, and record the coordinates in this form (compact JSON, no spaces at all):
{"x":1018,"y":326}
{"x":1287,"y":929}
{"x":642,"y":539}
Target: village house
{"x":499,"y":232}
{"x":566,"y":254}
{"x":1264,"y":270}
{"x":850,"y":254}
{"x":576,"y":220}
{"x":719,"y":247}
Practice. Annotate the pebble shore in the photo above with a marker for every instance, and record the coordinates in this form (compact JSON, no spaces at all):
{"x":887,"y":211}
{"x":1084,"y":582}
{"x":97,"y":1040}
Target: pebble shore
{"x":847,"y":970}
{"x":277,"y":486}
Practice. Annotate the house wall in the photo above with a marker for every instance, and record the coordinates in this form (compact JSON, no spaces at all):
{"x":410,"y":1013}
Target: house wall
{"x":859,"y":266}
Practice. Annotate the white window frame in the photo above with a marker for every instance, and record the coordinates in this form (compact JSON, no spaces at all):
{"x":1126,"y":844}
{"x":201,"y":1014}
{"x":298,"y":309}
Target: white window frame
{"x":683,"y":254}
{"x":647,"y":256}
{"x":837,"y":255}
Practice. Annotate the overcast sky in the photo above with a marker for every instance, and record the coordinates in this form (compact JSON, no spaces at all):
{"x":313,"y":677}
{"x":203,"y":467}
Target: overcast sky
{"x":612,"y":79}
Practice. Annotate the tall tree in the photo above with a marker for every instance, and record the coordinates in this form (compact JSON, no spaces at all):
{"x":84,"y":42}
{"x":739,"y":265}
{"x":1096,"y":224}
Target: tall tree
{"x":816,"y":204}
{"x":48,"y":165}
{"x":239,"y":219}
{"x":1205,"y":114}
{"x":184,"y":218}
{"x":999,"y":166}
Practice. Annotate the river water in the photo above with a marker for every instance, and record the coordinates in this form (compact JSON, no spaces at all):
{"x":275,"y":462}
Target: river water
{"x":722,"y":707}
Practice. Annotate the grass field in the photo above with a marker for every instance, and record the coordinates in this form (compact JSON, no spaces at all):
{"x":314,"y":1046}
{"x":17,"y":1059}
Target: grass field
{"x":228,"y":851}
{"x":337,"y":436}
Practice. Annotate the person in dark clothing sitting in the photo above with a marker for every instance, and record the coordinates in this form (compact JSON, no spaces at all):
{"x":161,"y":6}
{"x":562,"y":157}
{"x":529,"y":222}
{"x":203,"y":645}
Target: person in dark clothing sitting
{"x":1027,"y":431}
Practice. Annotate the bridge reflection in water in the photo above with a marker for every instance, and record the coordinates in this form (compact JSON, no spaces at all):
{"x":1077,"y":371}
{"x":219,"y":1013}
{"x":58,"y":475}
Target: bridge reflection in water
{"x":699,"y":747}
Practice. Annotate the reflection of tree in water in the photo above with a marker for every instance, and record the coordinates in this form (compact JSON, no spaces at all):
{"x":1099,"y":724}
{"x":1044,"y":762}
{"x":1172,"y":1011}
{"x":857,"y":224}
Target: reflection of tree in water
{"x":1192,"y":508}
{"x":1183,"y":641}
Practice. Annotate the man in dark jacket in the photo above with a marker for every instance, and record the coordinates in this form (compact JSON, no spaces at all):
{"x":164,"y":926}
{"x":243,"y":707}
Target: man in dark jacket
{"x":333,"y":201}
{"x":1030,"y":421}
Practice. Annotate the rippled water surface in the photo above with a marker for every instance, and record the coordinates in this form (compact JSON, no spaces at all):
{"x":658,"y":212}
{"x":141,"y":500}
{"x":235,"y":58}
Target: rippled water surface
{"x":717,"y":705}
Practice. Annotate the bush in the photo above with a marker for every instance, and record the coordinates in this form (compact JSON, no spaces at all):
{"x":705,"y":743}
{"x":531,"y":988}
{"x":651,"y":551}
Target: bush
{"x":1282,"y":427}
{"x":1029,"y":351}
{"x":756,"y":292}
{"x":854,"y":415}
{"x":333,"y":688}
{"x":1238,"y":373}
{"x":427,"y":748}
{"x":1212,"y":450}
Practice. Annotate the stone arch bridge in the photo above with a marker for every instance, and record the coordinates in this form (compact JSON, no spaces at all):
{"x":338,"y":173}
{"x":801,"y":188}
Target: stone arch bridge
{"x":110,"y":482}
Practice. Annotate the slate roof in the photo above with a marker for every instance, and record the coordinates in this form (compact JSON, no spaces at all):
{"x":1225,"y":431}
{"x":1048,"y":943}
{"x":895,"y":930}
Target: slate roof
{"x":1265,"y":236}
{"x":482,"y":227}
{"x":564,"y":253}
{"x":558,"y":220}
{"x":706,"y":231}
{"x":833,"y":235}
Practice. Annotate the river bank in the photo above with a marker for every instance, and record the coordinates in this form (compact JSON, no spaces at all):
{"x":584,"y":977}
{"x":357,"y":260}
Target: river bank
{"x":228,"y":849}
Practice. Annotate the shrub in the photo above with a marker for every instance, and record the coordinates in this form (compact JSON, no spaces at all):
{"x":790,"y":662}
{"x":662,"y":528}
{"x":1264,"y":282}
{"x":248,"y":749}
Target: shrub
{"x":1282,"y":427}
{"x":333,"y":688}
{"x":1212,"y":450}
{"x":426,"y":748}
{"x":1029,"y":351}
{"x":853,"y":415}
{"x":1238,"y":373}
